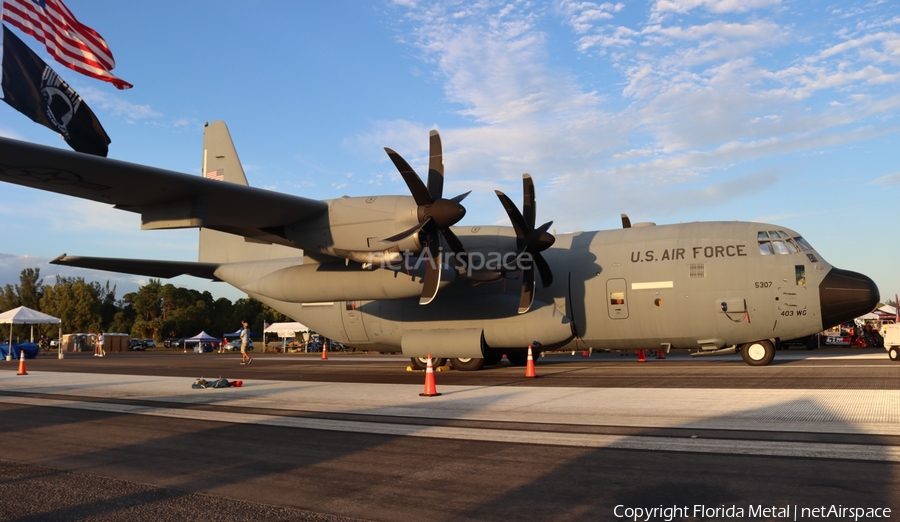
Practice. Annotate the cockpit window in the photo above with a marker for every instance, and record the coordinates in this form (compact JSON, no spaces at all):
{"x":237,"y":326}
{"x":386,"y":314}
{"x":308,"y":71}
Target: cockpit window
{"x":779,"y":242}
{"x":780,"y":248}
{"x":803,"y":244}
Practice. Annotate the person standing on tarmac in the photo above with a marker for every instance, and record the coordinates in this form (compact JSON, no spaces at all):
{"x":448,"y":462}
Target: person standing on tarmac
{"x":245,"y":339}
{"x":98,"y":349}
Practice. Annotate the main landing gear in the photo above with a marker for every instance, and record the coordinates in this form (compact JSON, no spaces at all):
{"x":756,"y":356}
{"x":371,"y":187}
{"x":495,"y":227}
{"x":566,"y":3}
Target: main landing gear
{"x":758,"y":353}
{"x":421,"y":363}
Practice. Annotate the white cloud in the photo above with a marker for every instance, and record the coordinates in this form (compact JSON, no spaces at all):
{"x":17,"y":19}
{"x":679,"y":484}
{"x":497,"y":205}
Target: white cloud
{"x":694,"y":95}
{"x":714,"y":6}
{"x":113,"y":103}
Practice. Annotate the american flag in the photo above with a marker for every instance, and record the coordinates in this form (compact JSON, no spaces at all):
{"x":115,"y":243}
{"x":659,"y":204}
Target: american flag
{"x":72,"y":44}
{"x":217,"y":175}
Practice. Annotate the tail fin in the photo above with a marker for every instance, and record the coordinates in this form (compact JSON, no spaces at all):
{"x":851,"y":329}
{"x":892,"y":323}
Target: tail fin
{"x":221,"y":163}
{"x":220,"y":159}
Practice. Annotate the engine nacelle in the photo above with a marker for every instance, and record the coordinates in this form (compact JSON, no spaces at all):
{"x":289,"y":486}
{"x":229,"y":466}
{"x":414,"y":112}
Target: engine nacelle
{"x":331,"y":282}
{"x":359,"y":225}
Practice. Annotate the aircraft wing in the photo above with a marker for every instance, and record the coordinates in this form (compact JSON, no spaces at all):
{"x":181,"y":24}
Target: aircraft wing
{"x":165,"y":199}
{"x":144,"y":267}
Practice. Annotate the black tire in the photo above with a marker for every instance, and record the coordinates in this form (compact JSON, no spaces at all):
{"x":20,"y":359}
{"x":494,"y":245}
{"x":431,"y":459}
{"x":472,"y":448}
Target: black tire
{"x":759,"y":353}
{"x":894,"y":354}
{"x":812,"y":343}
{"x":467,"y":364}
{"x":492,"y":357}
{"x":421,"y":363}
{"x":518,"y":357}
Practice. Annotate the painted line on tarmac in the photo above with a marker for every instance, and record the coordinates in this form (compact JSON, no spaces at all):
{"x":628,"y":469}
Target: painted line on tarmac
{"x":815,"y":450}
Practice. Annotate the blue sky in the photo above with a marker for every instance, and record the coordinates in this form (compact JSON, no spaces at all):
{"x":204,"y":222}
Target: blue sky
{"x":779,"y":111}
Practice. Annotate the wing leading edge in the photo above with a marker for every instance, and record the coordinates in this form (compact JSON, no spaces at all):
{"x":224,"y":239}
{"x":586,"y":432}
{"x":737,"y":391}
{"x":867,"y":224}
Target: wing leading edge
{"x":165,"y":199}
{"x":144,"y":267}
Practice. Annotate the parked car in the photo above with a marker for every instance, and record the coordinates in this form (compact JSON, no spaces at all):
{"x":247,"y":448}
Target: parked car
{"x":137,"y":344}
{"x":149,"y":343}
{"x":235,"y":345}
{"x":204,"y":347}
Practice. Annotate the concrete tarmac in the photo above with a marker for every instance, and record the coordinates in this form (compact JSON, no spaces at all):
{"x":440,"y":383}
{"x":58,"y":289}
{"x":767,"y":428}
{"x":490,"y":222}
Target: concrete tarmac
{"x":710,"y":432}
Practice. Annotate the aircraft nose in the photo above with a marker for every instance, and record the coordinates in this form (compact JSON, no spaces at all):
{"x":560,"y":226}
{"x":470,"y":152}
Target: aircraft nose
{"x":846,"y":295}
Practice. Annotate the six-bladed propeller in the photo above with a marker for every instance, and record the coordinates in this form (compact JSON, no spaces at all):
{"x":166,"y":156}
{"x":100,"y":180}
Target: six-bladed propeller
{"x":530,"y":242}
{"x":436,"y":214}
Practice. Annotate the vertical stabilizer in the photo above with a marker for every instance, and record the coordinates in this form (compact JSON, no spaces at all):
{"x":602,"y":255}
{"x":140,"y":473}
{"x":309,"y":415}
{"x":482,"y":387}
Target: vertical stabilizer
{"x":221,"y":163}
{"x":220,"y":159}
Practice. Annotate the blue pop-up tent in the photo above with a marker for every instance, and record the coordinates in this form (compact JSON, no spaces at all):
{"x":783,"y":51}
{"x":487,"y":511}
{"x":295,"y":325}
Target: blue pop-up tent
{"x":200,"y":338}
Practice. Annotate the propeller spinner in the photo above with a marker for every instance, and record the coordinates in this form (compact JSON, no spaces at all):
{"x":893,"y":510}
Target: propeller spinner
{"x":435,"y":213}
{"x":529,"y":240}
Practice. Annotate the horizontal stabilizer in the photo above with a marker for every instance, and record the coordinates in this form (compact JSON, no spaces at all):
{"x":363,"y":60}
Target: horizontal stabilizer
{"x":144,"y":267}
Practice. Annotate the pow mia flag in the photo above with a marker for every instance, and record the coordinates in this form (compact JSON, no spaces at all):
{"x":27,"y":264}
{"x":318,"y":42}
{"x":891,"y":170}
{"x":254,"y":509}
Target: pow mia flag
{"x":31,"y":87}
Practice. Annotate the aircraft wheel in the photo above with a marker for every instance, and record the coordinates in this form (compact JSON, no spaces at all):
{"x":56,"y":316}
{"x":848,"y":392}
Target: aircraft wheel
{"x":894,"y":354}
{"x":492,"y":357}
{"x":421,"y":363}
{"x":467,"y":364}
{"x":518,"y":357}
{"x":759,"y":353}
{"x":812,"y":343}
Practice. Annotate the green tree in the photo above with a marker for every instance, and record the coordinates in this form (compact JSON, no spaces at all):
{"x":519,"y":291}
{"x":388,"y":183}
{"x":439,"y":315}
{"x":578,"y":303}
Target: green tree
{"x":9,"y":299}
{"x":30,"y":289}
{"x":75,"y":302}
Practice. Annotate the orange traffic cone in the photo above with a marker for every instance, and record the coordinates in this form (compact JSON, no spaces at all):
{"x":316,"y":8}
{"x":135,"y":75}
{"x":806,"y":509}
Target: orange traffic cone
{"x":584,"y":353}
{"x":641,"y":357}
{"x":22,"y":363}
{"x":529,"y":365}
{"x":660,"y":354}
{"x":430,"y":389}
{"x":324,"y":353}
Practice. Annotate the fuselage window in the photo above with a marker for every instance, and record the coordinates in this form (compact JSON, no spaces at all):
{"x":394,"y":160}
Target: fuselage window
{"x":765,"y":248}
{"x":616,"y":298}
{"x":792,"y":247}
{"x":762,"y":235}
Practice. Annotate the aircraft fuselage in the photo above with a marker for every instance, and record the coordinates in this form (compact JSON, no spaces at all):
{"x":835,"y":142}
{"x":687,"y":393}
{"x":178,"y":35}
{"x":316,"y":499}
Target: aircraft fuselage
{"x":702,"y":286}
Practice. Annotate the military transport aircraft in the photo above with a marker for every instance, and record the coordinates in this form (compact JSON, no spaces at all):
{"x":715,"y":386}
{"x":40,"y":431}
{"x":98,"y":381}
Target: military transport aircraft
{"x":393,"y":273}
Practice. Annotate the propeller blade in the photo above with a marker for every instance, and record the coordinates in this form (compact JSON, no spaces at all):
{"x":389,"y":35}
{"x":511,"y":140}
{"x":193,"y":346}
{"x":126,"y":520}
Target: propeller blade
{"x":518,"y":222}
{"x":453,"y":241}
{"x":544,"y":269}
{"x":418,"y":189}
{"x":529,"y":210}
{"x":433,"y":266}
{"x":459,"y":198}
{"x":406,"y":233}
{"x":435,"y":166}
{"x":456,"y":246}
{"x":526,"y":298}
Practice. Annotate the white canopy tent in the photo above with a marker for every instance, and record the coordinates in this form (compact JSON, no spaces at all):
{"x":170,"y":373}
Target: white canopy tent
{"x":286,"y":331}
{"x":25,"y":315}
